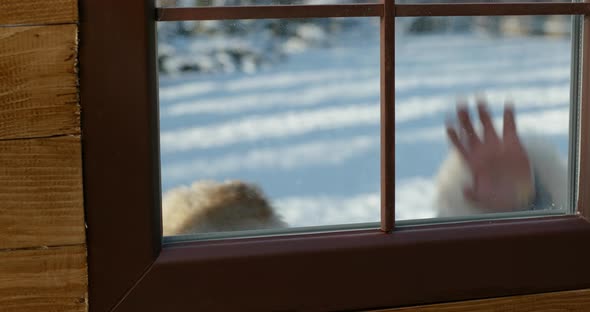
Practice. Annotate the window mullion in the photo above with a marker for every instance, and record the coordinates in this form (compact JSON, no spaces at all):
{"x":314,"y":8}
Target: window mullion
{"x":262,"y":12}
{"x":388,"y":116}
{"x":490,"y":9}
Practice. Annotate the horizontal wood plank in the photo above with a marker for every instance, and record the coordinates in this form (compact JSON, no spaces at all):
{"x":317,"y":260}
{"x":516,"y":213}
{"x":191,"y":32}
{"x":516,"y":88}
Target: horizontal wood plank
{"x":38,"y":12}
{"x":41,"y":193}
{"x":571,"y":301}
{"x":53,"y":279}
{"x":38,"y":81}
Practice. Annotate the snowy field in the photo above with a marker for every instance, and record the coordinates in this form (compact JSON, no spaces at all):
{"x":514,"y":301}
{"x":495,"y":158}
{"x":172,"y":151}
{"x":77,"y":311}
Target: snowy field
{"x":306,"y":130}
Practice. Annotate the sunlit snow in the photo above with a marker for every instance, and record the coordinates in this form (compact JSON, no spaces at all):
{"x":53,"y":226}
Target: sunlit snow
{"x":306,"y":129}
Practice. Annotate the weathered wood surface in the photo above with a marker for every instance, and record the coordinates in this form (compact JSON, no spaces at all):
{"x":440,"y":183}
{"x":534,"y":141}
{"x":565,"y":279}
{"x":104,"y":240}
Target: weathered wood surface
{"x":40,"y":179}
{"x":53,"y":279}
{"x":14,"y":12}
{"x":38,"y":81}
{"x":41,"y":200}
{"x":570,"y":301}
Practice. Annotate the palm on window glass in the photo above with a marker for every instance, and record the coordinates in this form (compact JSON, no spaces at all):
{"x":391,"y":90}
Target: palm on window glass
{"x":501,"y":170}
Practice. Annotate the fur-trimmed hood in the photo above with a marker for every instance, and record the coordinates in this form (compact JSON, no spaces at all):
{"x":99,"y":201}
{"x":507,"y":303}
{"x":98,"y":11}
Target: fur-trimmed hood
{"x":208,"y":206}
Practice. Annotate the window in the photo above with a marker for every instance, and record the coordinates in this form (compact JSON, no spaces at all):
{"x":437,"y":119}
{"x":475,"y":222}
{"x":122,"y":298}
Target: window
{"x":130,"y":269}
{"x":441,"y":60}
{"x":288,"y":105}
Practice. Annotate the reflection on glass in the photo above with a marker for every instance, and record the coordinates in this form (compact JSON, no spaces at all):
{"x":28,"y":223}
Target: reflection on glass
{"x":210,"y":3}
{"x":497,"y":167}
{"x":269,"y":123}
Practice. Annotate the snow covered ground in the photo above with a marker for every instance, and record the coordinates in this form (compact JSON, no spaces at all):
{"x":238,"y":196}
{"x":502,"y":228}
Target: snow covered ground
{"x":307,"y":129}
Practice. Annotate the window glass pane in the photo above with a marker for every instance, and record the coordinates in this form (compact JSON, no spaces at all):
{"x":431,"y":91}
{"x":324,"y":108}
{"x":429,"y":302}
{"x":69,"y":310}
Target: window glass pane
{"x":209,"y":3}
{"x":523,"y":60}
{"x":287,"y":109}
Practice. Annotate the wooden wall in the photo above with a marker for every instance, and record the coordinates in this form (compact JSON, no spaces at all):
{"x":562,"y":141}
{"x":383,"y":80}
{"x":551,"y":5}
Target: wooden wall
{"x":42,"y":239}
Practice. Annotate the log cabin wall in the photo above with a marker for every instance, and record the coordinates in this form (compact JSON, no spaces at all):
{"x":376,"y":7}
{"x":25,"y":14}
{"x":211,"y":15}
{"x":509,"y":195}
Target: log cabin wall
{"x":42,"y":238}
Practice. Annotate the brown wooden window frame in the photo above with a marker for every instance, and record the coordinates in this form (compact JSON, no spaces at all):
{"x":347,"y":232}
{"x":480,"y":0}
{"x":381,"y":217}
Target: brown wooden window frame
{"x":130,"y":269}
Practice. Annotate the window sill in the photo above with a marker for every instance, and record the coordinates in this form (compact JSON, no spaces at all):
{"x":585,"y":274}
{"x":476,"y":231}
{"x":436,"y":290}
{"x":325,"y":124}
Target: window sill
{"x":415,"y":265}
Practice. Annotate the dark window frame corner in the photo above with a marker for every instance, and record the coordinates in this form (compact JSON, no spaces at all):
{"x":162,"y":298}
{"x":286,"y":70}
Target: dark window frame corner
{"x":130,"y":270}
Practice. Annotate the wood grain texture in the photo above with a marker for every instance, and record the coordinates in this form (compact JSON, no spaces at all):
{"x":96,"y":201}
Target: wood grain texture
{"x":41,"y":193}
{"x":570,"y":301}
{"x":38,"y":81}
{"x":53,"y":279}
{"x":13,"y":12}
